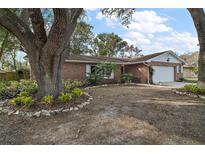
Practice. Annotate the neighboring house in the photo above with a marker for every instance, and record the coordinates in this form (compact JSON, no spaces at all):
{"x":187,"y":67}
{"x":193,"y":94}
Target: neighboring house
{"x":168,"y":67}
{"x":188,"y":71}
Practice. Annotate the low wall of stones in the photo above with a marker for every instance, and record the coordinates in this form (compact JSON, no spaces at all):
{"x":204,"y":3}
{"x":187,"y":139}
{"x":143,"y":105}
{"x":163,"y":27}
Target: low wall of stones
{"x":43,"y":112}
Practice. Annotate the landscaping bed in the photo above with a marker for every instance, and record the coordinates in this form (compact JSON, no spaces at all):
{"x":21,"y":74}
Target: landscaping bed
{"x":192,"y":91}
{"x":53,"y":106}
{"x":19,"y":98}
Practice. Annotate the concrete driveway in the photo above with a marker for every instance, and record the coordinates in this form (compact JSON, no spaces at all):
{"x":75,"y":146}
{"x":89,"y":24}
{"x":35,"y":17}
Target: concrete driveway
{"x":174,"y":84}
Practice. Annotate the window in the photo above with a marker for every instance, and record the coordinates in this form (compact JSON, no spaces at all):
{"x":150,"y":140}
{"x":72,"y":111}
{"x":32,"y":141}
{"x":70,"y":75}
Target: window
{"x":179,"y":69}
{"x":92,"y":69}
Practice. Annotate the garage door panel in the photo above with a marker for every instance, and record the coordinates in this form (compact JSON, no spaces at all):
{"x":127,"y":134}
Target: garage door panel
{"x":163,"y":74}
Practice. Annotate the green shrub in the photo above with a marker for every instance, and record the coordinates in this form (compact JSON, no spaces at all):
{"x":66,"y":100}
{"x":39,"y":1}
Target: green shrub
{"x":77,"y":83}
{"x":65,"y":97}
{"x":193,"y":89}
{"x":27,"y":101}
{"x":94,"y":78}
{"x":102,"y":70}
{"x":3,"y":87}
{"x":15,"y":101}
{"x":8,"y":89}
{"x":127,"y":77}
{"x":67,"y":85}
{"x":47,"y":99}
{"x":23,"y":94}
{"x":22,"y":100}
{"x":77,"y":92}
{"x":28,"y":86}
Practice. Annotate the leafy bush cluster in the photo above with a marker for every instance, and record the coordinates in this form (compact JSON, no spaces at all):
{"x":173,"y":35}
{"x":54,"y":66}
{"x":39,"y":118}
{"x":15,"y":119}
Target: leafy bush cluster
{"x":77,"y":92}
{"x":102,"y":70}
{"x":10,"y":89}
{"x":28,"y":86}
{"x":193,"y":89}
{"x":127,"y":77}
{"x":22,"y":99}
{"x":47,"y":99}
{"x":69,"y":85}
{"x":65,"y":97}
{"x":23,"y":90}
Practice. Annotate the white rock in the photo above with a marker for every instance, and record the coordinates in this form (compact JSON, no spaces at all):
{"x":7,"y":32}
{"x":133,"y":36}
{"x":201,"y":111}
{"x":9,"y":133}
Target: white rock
{"x":29,"y":114}
{"x":1,"y":108}
{"x":45,"y":113}
{"x":37,"y":114}
{"x":75,"y":108}
{"x":56,"y":111}
{"x":71,"y":109}
{"x":10,"y":113}
{"x":203,"y":97}
{"x":66,"y":110}
{"x":17,"y":112}
{"x":80,"y":106}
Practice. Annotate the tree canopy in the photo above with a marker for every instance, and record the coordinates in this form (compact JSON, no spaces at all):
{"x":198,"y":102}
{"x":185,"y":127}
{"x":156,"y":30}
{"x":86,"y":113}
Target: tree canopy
{"x":108,"y":44}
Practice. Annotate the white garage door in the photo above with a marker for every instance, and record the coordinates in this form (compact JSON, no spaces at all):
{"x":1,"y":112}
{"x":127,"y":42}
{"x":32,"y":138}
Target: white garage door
{"x":163,"y":74}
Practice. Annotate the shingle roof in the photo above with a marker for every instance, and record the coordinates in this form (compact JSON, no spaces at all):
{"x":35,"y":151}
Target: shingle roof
{"x":93,"y":59}
{"x":97,"y":59}
{"x":146,"y":57}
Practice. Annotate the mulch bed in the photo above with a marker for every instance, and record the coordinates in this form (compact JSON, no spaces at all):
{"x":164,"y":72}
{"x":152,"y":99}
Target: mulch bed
{"x":38,"y":106}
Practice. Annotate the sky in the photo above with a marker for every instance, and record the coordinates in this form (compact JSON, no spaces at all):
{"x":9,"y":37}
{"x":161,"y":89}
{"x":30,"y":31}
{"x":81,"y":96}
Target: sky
{"x":151,"y":30}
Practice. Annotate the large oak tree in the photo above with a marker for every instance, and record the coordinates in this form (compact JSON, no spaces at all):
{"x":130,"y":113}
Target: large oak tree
{"x":198,"y":17}
{"x":45,"y":51}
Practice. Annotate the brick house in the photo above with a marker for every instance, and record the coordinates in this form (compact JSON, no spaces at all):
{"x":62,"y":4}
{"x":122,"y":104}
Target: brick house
{"x":167,"y":66}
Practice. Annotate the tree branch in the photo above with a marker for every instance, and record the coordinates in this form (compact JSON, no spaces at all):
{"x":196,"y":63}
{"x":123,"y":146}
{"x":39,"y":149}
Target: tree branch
{"x":65,"y":21}
{"x":38,"y":24}
{"x":16,"y":26}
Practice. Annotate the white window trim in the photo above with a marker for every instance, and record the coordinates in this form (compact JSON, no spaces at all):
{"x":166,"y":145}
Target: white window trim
{"x":88,"y":71}
{"x":177,"y":69}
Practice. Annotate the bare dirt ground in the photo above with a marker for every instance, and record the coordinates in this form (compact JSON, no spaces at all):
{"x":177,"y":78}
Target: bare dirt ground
{"x":117,"y":115}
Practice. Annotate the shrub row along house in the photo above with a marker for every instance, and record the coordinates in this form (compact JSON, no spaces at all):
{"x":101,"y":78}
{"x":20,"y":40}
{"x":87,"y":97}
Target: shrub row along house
{"x":166,"y":66}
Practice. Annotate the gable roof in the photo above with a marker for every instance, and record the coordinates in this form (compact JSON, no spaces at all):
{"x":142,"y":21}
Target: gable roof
{"x":146,"y":57}
{"x":150,"y":56}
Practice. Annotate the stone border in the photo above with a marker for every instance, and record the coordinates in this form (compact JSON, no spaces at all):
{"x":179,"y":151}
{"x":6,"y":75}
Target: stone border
{"x":45,"y":112}
{"x":115,"y":84}
{"x":188,"y":94}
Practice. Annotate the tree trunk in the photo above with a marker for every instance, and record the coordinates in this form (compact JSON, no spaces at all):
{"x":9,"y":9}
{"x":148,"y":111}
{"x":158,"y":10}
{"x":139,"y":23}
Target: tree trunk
{"x":46,"y":69}
{"x":198,"y":17}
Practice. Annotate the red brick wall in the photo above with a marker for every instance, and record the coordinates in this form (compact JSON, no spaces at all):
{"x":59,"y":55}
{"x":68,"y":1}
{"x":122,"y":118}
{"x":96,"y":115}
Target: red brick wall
{"x":139,"y":71}
{"x":74,"y":71}
{"x":77,"y":71}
